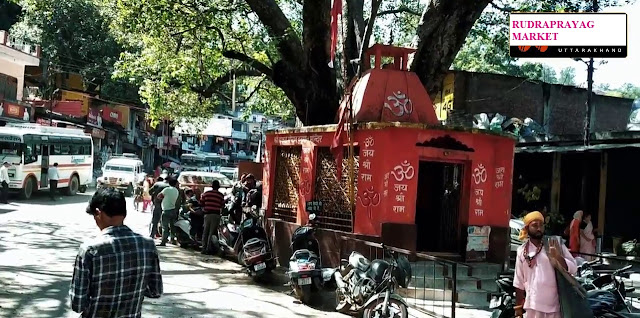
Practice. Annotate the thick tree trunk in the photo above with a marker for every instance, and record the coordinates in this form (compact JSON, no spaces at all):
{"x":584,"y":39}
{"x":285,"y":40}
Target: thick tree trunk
{"x":354,"y":27}
{"x":442,"y":31}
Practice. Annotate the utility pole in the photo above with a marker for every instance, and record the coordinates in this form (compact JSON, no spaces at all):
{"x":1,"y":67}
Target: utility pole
{"x":587,"y":120}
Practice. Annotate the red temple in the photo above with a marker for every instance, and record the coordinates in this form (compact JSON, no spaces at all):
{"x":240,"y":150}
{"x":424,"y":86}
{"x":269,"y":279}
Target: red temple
{"x":418,"y":185}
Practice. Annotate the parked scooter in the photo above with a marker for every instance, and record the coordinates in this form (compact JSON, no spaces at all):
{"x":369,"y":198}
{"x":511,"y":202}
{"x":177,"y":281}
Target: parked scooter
{"x":503,"y":304}
{"x":306,"y":274}
{"x":248,"y":242}
{"x":183,"y":231}
{"x":368,"y":288}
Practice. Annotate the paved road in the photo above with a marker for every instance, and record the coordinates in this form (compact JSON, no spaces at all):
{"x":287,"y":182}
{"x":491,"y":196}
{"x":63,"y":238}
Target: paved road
{"x":39,"y":239}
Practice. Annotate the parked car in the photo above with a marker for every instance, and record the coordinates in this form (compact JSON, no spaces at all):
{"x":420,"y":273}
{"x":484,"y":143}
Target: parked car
{"x":200,"y":181}
{"x":516,"y":225}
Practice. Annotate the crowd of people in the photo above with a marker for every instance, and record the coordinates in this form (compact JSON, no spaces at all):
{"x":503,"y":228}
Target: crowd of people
{"x":165,"y":198}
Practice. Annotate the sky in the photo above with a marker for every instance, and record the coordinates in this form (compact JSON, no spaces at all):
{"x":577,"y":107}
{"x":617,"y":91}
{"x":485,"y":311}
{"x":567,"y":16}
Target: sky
{"x":617,"y":71}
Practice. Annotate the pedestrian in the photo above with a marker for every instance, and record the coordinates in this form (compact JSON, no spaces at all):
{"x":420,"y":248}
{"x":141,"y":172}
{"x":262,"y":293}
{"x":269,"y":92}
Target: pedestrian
{"x":53,"y":176}
{"x":146,"y":196}
{"x":170,"y":196}
{"x":4,"y":181}
{"x":587,"y":239}
{"x":192,"y":206}
{"x":115,"y":271}
{"x":137,"y":198}
{"x":574,"y":233}
{"x":157,"y":205}
{"x":535,"y":279}
{"x":212,"y":202}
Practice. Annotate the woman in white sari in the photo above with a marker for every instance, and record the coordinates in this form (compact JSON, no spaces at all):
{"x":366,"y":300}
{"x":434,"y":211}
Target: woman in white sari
{"x":587,"y":239}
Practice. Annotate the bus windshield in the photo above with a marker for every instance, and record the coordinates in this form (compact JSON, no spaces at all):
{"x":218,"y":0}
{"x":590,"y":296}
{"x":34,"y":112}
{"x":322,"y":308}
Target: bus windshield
{"x":118,"y":168}
{"x":10,"y":148}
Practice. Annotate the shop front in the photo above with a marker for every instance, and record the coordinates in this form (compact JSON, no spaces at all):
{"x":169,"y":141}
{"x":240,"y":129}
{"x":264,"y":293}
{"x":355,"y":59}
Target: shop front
{"x":15,"y":112}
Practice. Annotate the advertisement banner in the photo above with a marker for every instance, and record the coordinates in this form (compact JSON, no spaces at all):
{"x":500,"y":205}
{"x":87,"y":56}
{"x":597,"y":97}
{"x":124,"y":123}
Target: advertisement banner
{"x":94,"y":118}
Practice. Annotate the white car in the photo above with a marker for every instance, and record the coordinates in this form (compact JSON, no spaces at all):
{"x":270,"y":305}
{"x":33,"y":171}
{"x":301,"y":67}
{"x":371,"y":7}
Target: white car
{"x":122,"y":173}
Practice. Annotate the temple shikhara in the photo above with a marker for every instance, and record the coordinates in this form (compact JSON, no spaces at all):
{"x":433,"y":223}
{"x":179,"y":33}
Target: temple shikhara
{"x":392,"y":173}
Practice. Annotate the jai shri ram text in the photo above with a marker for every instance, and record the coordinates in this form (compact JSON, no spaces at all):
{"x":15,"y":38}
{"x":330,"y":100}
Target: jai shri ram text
{"x":545,"y":36}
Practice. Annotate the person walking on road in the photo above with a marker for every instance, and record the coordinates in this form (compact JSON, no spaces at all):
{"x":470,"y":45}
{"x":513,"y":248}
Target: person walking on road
{"x":212,"y":202}
{"x":535,"y":279}
{"x":115,"y":271}
{"x":146,"y":196}
{"x":4,"y":181}
{"x":169,"y":196}
{"x":53,"y":177}
{"x":157,"y":205}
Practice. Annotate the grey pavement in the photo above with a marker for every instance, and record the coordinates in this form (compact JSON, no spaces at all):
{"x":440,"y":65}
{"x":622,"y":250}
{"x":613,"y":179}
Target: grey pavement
{"x":39,"y":239}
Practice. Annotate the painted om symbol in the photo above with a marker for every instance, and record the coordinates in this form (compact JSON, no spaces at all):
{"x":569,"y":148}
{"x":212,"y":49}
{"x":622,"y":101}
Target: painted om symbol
{"x":369,"y":142}
{"x":402,"y":105}
{"x":480,"y":174}
{"x":403,"y":171}
{"x":305,"y":187}
{"x":369,"y":199}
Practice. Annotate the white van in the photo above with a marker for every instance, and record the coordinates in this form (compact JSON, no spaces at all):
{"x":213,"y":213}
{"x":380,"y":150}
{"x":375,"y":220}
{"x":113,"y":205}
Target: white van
{"x":122,"y":172}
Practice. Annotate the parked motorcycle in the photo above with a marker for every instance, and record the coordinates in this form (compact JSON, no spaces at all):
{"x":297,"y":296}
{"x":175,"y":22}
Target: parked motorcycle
{"x":306,"y":274}
{"x":503,"y":304}
{"x":368,"y":288}
{"x":248,"y":242}
{"x":183,"y":231}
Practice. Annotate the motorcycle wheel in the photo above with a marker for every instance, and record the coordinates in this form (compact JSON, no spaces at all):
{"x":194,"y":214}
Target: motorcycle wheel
{"x":303,"y":293}
{"x":395,"y":307}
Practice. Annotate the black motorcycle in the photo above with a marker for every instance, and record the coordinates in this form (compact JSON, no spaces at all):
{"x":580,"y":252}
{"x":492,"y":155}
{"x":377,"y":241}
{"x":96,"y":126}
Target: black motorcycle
{"x":368,"y":287}
{"x":248,"y":241}
{"x":503,"y":304}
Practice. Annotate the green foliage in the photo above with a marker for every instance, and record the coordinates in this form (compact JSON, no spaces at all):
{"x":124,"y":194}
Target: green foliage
{"x":567,"y":76}
{"x":76,"y":37}
{"x":181,"y":56}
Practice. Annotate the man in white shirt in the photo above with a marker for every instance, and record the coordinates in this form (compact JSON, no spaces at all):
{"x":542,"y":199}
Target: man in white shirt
{"x":53,"y":176}
{"x":4,"y":180}
{"x":169,"y":196}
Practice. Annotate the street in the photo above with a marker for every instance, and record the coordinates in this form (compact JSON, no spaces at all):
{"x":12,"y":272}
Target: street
{"x":39,"y":239}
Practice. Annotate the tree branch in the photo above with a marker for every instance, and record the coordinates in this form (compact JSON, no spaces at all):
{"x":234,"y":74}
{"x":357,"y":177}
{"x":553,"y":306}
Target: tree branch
{"x":253,"y":63}
{"x":402,"y":9}
{"x":280,"y":28}
{"x":244,"y":100}
{"x":503,"y":9}
{"x":212,"y":88}
{"x":367,"y":34}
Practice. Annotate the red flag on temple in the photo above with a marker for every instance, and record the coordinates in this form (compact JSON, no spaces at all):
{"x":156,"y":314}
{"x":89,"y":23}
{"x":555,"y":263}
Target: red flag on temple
{"x":336,"y":11}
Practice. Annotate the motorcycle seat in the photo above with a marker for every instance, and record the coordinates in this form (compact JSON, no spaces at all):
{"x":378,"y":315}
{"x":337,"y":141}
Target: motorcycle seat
{"x":303,"y":255}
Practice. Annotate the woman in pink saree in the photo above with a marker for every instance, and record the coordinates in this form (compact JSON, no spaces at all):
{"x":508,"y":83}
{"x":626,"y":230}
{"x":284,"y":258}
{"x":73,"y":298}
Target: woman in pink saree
{"x":587,"y":239}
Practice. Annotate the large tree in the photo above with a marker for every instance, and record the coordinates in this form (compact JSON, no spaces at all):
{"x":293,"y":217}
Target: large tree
{"x":191,"y":49}
{"x":76,"y":37}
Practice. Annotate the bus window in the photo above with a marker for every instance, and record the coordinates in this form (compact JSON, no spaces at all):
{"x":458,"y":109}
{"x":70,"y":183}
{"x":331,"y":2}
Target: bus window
{"x":30,"y":154}
{"x":55,"y":150}
{"x":65,"y":150}
{"x":75,"y":149}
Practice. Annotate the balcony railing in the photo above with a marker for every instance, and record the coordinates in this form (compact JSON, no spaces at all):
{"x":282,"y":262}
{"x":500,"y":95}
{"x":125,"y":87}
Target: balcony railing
{"x":19,"y":44}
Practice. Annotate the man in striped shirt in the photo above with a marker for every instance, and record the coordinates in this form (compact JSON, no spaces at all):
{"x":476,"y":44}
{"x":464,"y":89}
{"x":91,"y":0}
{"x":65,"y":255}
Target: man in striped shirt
{"x":117,"y":269}
{"x":212,"y":202}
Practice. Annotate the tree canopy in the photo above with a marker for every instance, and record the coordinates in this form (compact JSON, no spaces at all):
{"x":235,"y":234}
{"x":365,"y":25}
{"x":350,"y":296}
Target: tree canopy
{"x":183,"y":58}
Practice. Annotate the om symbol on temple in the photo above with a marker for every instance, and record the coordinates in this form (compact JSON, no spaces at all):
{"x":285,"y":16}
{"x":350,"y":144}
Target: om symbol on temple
{"x":480,"y":174}
{"x":403,"y":171}
{"x":369,"y":199}
{"x":402,"y":105}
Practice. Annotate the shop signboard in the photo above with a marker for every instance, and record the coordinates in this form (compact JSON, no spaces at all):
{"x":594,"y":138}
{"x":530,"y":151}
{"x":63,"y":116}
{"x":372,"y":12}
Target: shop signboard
{"x":94,"y":118}
{"x":239,"y":135}
{"x":13,"y":110}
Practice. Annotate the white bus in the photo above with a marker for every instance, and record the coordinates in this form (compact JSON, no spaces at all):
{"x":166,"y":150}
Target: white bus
{"x":31,"y":149}
{"x":203,"y":161}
